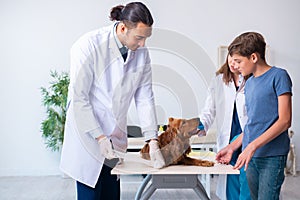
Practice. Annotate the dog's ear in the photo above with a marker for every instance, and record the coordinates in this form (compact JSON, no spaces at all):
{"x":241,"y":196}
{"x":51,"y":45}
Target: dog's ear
{"x":177,"y":123}
{"x":145,"y":152}
{"x":171,"y":122}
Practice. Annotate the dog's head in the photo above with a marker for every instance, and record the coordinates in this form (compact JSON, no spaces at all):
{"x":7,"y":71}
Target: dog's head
{"x":175,"y":139}
{"x":185,"y":127}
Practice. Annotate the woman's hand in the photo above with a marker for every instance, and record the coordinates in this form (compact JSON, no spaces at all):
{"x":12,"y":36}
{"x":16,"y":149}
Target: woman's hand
{"x":224,"y":155}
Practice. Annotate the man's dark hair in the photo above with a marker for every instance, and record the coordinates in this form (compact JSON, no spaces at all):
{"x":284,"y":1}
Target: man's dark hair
{"x":131,"y":14}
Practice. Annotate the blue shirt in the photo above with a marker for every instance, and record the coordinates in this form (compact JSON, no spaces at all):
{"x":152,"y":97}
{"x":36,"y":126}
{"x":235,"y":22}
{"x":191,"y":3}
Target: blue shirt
{"x":261,"y":94}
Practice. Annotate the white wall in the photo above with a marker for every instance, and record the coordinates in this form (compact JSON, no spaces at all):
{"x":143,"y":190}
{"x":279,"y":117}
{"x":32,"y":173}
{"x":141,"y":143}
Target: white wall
{"x":36,"y":36}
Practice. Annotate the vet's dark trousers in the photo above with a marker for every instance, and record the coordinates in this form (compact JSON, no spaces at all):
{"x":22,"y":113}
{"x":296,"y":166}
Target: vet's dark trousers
{"x":107,"y":187}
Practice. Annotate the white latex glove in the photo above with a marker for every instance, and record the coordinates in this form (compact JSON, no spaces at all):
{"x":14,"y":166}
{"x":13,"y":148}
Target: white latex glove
{"x":106,"y":148}
{"x":156,"y":156}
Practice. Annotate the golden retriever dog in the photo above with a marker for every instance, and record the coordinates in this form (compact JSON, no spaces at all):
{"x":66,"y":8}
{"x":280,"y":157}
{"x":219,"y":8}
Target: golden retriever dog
{"x":174,"y":143}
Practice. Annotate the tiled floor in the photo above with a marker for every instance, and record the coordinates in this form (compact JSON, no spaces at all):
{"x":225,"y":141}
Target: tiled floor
{"x":58,"y":188}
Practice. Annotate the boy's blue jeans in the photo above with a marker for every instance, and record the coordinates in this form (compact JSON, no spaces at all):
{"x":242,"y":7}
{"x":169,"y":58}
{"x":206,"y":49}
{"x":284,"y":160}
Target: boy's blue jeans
{"x":265,"y":176}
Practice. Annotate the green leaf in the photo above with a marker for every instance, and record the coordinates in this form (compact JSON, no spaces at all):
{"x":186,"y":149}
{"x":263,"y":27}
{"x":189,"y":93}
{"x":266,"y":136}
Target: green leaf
{"x":54,"y":98}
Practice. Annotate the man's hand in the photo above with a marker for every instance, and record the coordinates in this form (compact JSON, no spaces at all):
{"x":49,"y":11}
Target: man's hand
{"x":106,"y":147}
{"x":156,"y":155}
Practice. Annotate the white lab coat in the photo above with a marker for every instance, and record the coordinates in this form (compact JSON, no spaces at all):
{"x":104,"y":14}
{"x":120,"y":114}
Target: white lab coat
{"x":219,"y":106}
{"x":100,"y":91}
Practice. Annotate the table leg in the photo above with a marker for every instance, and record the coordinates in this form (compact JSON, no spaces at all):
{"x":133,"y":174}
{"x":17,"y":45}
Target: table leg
{"x":200,"y":190}
{"x":207,"y":184}
{"x":148,"y":193}
{"x":142,"y":187}
{"x":170,"y":181}
{"x":205,"y":180}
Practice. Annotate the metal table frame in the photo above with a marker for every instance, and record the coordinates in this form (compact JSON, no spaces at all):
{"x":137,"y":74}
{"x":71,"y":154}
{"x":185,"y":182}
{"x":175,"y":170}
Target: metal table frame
{"x":175,"y":176}
{"x":196,"y":143}
{"x":170,"y":181}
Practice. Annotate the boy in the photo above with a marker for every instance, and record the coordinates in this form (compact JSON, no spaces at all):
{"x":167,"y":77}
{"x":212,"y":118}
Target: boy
{"x":265,"y":141}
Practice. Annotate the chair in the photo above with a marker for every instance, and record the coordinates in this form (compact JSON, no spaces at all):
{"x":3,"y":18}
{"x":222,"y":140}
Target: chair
{"x":134,"y":131}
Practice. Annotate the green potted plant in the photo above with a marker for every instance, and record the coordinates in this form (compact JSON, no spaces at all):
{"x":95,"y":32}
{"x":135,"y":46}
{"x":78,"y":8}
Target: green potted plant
{"x":54,"y":98}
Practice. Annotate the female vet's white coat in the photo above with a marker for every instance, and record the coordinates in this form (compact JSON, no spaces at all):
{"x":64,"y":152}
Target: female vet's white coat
{"x":101,"y":89}
{"x":219,"y":106}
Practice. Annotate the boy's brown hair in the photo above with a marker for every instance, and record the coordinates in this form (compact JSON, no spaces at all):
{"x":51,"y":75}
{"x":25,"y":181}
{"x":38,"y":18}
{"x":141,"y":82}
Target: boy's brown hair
{"x":248,"y":43}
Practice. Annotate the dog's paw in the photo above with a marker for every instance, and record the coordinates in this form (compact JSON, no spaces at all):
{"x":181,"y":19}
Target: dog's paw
{"x":157,"y":159}
{"x":206,"y":163}
{"x":158,"y":164}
